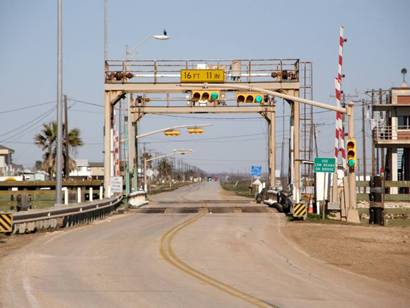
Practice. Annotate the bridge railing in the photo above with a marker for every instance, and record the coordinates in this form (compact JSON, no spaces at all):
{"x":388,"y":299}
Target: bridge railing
{"x":168,"y":71}
{"x":64,"y":216}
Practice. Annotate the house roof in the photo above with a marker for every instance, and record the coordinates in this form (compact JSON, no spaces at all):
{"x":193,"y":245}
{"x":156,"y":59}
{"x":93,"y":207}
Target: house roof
{"x":96,"y":164}
{"x":2,"y":147}
{"x":81,"y":162}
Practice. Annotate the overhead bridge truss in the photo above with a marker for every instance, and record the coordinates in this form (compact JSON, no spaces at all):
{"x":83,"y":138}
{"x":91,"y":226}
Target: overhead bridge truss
{"x":148,"y":78}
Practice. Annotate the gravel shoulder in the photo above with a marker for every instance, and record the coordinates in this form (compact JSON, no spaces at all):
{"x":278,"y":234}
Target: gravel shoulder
{"x":377,"y":252}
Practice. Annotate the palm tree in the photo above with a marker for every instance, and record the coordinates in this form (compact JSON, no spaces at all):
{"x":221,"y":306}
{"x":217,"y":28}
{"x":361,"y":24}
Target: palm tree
{"x":47,"y":141}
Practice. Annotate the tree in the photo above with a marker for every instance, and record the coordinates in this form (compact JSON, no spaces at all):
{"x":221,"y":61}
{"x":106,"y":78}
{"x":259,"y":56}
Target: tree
{"x":164,"y":168}
{"x":47,"y":141}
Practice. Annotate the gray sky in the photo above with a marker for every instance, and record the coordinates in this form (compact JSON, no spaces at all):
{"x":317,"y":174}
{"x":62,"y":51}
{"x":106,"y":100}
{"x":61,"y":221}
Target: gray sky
{"x":378,"y":47}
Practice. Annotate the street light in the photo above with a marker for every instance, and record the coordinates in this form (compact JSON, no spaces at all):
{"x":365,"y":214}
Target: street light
{"x":174,"y":152}
{"x":160,"y":37}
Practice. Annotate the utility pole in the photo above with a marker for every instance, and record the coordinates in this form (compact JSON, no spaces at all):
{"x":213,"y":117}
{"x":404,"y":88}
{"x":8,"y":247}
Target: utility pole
{"x":66,"y":156}
{"x":59,"y":102}
{"x":105,"y":30}
{"x":364,"y":144}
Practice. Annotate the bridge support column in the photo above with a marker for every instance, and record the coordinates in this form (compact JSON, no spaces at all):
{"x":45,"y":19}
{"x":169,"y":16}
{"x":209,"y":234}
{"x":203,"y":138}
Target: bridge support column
{"x":295,"y":124}
{"x":270,"y":117}
{"x":110,"y":99}
{"x":352,"y":213}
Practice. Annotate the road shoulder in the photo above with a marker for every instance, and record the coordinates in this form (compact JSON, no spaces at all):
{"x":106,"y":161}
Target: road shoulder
{"x":376,"y":252}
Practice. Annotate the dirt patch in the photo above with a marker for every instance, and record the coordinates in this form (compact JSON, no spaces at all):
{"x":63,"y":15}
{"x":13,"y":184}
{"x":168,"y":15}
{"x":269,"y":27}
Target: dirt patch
{"x":11,"y":243}
{"x":377,"y":252}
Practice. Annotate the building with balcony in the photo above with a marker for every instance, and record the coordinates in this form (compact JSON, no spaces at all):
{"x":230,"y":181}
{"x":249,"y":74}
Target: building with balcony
{"x":391,"y":132}
{"x":6,"y":161}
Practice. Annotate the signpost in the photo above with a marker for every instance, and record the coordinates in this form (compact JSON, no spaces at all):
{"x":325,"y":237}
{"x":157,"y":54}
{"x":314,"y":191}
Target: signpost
{"x":202,"y":75}
{"x":324,"y":164}
{"x":256,"y":170}
{"x":116,"y":184}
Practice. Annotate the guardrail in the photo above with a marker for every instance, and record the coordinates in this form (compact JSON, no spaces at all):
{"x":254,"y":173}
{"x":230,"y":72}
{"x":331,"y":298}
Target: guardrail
{"x":63,"y":216}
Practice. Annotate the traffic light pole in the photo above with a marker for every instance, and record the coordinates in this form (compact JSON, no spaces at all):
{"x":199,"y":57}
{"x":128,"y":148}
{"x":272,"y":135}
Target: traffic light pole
{"x":352,"y":213}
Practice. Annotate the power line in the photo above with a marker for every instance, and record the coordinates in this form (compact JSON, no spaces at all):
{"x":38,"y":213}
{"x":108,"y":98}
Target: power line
{"x":20,"y":130}
{"x":31,"y":125}
{"x":85,"y":102}
{"x":27,"y":107}
{"x":11,"y":131}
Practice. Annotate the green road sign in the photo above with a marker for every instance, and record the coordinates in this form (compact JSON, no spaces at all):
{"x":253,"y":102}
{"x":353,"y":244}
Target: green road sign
{"x":324,"y":164}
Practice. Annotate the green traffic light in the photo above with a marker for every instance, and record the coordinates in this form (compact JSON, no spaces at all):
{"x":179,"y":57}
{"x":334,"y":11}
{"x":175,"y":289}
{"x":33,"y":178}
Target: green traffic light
{"x":214,"y":96}
{"x":258,"y":99}
{"x":350,"y":163}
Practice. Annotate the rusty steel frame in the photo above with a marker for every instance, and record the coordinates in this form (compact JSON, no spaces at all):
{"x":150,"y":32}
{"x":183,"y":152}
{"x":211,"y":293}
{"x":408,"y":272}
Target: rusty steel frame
{"x":287,"y":90}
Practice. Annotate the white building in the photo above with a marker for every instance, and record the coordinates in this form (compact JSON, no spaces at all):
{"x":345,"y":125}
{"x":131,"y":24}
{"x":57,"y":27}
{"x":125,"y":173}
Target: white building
{"x":6,"y":161}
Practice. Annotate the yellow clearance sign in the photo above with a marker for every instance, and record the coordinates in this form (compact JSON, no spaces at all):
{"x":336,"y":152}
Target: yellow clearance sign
{"x":202,"y":75}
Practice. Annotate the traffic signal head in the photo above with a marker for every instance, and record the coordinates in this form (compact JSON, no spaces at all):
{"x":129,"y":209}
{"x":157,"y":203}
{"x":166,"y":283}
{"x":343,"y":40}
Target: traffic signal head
{"x":172,"y":133}
{"x":210,"y":96}
{"x":248,"y":97}
{"x":195,"y":130}
{"x":351,"y":153}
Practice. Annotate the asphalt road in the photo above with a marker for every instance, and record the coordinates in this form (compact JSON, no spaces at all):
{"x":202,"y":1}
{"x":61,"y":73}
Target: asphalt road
{"x":182,"y":260}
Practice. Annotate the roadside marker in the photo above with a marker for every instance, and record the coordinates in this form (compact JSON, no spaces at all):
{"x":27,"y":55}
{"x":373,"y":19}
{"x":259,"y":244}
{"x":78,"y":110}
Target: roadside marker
{"x":299,"y":210}
{"x":6,"y":223}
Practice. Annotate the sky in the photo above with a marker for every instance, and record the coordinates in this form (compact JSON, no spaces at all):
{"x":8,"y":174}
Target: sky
{"x":378,"y":47}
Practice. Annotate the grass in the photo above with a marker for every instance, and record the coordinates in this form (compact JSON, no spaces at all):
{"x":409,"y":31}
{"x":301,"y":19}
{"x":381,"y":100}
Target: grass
{"x":240,"y":187}
{"x":401,"y":218}
{"x":165,"y":187}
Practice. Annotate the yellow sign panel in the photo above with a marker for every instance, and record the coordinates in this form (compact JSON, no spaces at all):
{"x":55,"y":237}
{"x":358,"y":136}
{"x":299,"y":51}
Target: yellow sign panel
{"x":202,"y":75}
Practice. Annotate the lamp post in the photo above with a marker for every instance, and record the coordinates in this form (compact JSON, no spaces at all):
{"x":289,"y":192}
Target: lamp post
{"x":175,"y":152}
{"x":133,"y":145}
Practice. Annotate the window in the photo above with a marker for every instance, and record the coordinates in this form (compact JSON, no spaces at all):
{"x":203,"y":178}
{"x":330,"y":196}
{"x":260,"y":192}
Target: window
{"x":403,"y":122}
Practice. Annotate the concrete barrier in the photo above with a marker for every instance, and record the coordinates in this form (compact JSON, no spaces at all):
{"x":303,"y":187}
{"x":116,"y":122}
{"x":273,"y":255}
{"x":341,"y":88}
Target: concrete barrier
{"x":137,"y":199}
{"x":64,"y":216}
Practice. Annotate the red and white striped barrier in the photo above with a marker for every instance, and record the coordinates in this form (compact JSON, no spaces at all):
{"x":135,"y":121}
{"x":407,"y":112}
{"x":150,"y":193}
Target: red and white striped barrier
{"x":339,"y":136}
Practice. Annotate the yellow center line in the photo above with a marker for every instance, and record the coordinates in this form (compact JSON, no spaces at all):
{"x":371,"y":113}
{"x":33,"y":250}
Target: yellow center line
{"x":169,"y":255}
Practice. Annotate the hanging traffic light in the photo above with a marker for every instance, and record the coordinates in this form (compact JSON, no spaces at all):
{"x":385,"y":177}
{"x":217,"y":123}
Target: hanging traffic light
{"x":195,"y":130}
{"x":249,"y":97}
{"x":351,"y":153}
{"x":205,"y":96}
{"x":172,"y":133}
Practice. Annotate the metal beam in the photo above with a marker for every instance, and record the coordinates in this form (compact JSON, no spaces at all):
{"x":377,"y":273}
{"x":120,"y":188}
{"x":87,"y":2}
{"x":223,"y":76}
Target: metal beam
{"x":252,"y":88}
{"x":178,"y":88}
{"x":205,"y":109}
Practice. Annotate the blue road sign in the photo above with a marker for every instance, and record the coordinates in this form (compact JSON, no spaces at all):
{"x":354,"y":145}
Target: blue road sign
{"x":256,"y":170}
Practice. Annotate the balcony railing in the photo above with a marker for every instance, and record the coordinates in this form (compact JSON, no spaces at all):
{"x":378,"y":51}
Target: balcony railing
{"x":389,"y":133}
